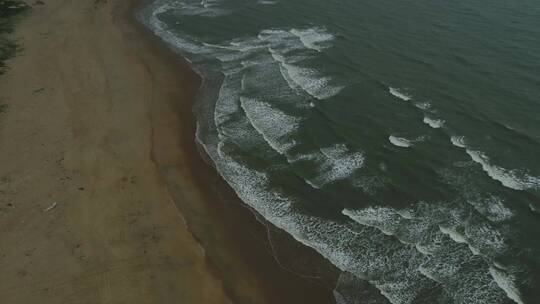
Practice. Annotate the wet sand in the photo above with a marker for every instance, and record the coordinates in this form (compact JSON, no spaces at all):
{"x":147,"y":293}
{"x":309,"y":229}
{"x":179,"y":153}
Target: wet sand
{"x":103,"y":195}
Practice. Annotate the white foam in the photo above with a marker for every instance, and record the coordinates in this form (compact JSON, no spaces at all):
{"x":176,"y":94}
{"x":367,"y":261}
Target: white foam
{"x":206,"y":8}
{"x":312,"y":82}
{"x":453,"y":234}
{"x":506,"y":283}
{"x":389,"y":250}
{"x":458,"y":141}
{"x":399,"y":94}
{"x":334,"y":163}
{"x":371,"y":254}
{"x":363,"y":251}
{"x":338,"y":163}
{"x":485,"y":238}
{"x":384,"y":219}
{"x":286,"y":58}
{"x":492,"y":208}
{"x":443,"y":245}
{"x":370,"y":184}
{"x":274,"y":125}
{"x":404,"y":142}
{"x":292,"y":84}
{"x":278,"y":42}
{"x":434,"y":123}
{"x":427,"y":272}
{"x":513,"y":179}
{"x":227,"y":102}
{"x":161,"y":29}
{"x":534,"y":208}
{"x":315,"y":38}
{"x":423,"y":105}
{"x":400,"y":141}
{"x":331,"y":239}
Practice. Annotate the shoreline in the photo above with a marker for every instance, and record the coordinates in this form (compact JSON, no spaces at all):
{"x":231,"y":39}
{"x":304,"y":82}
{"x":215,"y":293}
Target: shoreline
{"x":229,"y":203}
{"x":103,"y":108}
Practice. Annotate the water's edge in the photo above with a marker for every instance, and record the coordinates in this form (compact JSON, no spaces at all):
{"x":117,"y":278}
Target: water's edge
{"x":314,"y":268}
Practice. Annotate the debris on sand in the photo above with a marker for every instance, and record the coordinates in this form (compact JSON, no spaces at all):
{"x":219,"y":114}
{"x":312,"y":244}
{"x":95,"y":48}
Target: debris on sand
{"x":51,"y":207}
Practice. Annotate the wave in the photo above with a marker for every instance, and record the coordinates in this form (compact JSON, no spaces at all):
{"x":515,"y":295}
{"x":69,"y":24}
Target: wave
{"x":448,"y":240}
{"x":204,"y":8}
{"x":340,"y":162}
{"x":492,"y":208}
{"x":274,"y":125}
{"x":315,"y":38}
{"x":334,"y":163}
{"x":309,"y":80}
{"x":534,"y":208}
{"x":400,"y":141}
{"x":399,"y":94}
{"x":403,"y":253}
{"x":278,"y":42}
{"x":458,"y":141}
{"x":453,"y":234}
{"x":513,"y":179}
{"x":404,"y":142}
{"x":332,"y":239}
{"x":506,"y":283}
{"x":424,"y":106}
{"x":434,"y":123}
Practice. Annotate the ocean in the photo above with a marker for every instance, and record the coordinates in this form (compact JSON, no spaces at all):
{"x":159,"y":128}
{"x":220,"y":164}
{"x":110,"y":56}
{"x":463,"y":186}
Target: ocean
{"x":399,"y":139}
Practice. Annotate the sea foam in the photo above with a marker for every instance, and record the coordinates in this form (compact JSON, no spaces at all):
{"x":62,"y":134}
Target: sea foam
{"x":404,"y":142}
{"x":400,"y":141}
{"x":403,"y":253}
{"x":434,"y":123}
{"x":513,"y":179}
{"x":506,"y":283}
{"x":274,"y":125}
{"x":458,"y":141}
{"x":445,"y":240}
{"x":315,"y":38}
{"x":399,"y":94}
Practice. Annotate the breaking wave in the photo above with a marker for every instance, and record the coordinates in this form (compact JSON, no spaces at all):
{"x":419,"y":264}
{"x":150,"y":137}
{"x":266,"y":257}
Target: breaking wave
{"x":424,"y":252}
{"x":513,"y":179}
{"x":399,"y":94}
{"x":434,"y":123}
{"x":400,"y":141}
{"x":404,"y":142}
{"x":315,"y":38}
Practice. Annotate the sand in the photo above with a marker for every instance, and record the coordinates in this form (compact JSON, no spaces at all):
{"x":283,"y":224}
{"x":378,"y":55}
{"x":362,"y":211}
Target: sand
{"x":103,"y":197}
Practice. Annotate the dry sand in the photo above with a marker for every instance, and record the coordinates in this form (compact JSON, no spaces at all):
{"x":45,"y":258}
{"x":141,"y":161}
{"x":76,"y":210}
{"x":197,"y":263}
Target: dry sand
{"x":100,"y":179}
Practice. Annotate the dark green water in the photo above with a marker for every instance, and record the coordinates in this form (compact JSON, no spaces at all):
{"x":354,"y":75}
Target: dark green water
{"x":9,"y":10}
{"x":399,"y":139}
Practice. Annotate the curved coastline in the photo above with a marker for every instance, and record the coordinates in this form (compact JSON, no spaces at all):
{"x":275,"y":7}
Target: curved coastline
{"x":123,"y":208}
{"x":280,"y":276}
{"x":138,"y":171}
{"x":257,"y":73}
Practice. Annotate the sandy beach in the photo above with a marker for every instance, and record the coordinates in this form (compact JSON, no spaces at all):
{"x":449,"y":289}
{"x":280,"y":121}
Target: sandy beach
{"x":103,"y":196}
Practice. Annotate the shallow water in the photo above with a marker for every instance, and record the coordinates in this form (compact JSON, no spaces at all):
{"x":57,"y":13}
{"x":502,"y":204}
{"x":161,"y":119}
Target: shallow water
{"x":397,"y":138}
{"x":9,"y":10}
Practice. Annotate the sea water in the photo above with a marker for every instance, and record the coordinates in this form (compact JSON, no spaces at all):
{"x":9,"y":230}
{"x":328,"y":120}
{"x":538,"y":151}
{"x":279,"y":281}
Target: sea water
{"x":399,"y":139}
